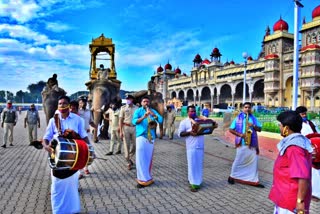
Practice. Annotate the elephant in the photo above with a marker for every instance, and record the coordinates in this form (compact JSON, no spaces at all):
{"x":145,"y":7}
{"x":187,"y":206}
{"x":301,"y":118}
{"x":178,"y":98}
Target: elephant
{"x":50,"y":102}
{"x":156,"y":102}
{"x":102,"y":92}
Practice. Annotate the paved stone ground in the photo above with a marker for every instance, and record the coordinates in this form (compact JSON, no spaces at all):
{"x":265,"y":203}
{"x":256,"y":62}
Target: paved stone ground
{"x":25,"y":181}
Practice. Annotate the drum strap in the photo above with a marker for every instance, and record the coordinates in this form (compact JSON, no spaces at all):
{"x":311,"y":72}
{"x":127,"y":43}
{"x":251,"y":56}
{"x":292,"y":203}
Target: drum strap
{"x":68,"y":133}
{"x":58,"y":124}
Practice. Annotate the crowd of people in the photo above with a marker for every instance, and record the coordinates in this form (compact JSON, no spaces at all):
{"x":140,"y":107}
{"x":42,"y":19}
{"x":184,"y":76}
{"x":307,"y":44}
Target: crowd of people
{"x":133,"y":132}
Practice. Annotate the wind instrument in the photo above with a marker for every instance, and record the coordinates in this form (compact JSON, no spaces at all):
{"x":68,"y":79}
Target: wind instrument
{"x":248,"y":131}
{"x":152,"y":124}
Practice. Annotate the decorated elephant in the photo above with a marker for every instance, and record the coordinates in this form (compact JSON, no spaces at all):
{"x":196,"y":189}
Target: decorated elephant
{"x":102,"y":92}
{"x":157,"y":103}
{"x":50,"y":102}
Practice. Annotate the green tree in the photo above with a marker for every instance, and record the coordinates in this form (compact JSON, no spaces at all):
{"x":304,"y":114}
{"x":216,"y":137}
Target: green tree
{"x":35,"y":91}
{"x":20,"y":96}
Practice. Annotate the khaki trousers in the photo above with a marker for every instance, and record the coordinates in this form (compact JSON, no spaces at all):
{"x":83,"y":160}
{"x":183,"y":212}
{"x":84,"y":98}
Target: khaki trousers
{"x":33,"y":132}
{"x":129,"y":141}
{"x":170,"y":130}
{"x":115,"y":139}
{"x":8,"y":127}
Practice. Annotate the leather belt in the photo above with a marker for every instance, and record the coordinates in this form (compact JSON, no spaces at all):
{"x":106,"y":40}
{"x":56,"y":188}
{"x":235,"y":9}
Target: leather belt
{"x":127,"y":124}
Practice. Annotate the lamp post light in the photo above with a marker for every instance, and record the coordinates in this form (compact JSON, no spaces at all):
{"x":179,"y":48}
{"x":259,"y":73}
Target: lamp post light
{"x":245,"y":56}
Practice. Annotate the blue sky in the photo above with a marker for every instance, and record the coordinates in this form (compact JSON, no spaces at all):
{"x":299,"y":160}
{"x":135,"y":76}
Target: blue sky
{"x":42,"y":37}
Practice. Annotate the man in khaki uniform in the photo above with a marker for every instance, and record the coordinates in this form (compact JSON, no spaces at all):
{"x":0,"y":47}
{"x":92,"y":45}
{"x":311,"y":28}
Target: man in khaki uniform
{"x":113,"y":117}
{"x":128,"y":130}
{"x":170,"y":117}
{"x":32,"y":119}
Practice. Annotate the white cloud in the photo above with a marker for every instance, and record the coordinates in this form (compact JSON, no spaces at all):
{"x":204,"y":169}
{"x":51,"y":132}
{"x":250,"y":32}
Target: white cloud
{"x":23,"y":32}
{"x":57,"y":26}
{"x":19,"y":10}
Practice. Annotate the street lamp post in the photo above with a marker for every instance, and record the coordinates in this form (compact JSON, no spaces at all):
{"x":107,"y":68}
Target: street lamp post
{"x":244,"y":55}
{"x":164,"y":87}
{"x":296,"y":54}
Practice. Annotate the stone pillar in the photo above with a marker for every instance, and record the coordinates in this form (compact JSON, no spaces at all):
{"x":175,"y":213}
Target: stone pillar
{"x":211,"y":101}
{"x":233,"y":99}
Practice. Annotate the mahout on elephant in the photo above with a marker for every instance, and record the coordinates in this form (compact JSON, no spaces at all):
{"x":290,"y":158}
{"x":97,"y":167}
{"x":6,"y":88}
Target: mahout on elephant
{"x":50,"y":95}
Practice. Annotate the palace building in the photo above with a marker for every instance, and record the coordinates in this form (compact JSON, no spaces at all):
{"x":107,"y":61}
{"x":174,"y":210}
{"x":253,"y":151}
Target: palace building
{"x":269,"y":78}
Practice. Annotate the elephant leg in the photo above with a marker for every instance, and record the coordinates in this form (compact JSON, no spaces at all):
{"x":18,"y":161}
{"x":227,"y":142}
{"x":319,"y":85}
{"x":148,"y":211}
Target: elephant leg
{"x":161,"y":130}
{"x":95,"y":135}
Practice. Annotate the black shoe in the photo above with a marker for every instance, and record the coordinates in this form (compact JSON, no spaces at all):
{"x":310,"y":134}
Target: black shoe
{"x":193,"y":189}
{"x":4,"y":146}
{"x":259,"y":186}
{"x":139,"y":186}
{"x":11,"y":144}
{"x":118,"y":152}
{"x":109,"y":153}
{"x":230,"y":180}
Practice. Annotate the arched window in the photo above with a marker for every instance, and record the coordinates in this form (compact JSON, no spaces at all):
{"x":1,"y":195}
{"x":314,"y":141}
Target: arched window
{"x":308,"y":39}
{"x":314,"y":38}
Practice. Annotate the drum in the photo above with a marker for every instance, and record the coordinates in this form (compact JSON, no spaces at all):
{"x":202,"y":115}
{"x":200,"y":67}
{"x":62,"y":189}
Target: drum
{"x":203,"y":127}
{"x":315,"y":143}
{"x":73,"y":154}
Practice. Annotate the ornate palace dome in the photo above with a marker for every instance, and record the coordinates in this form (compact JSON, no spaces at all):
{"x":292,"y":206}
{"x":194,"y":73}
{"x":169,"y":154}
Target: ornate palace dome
{"x":168,"y":66}
{"x":280,"y":26}
{"x":205,"y":62}
{"x":197,"y":59}
{"x":159,"y":69}
{"x":177,"y":71}
{"x":316,"y":12}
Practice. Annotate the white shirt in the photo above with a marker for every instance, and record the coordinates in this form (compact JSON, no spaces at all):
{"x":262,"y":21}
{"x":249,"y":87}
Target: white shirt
{"x":73,"y":122}
{"x":86,"y":115}
{"x":192,"y":142}
{"x":306,"y":128}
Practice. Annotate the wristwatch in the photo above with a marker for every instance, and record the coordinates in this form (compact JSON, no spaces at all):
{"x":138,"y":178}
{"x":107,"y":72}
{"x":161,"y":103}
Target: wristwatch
{"x":299,"y":201}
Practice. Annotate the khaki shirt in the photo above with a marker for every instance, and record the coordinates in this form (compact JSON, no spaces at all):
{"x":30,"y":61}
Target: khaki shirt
{"x":114,"y":118}
{"x":169,"y":117}
{"x":126,"y":112}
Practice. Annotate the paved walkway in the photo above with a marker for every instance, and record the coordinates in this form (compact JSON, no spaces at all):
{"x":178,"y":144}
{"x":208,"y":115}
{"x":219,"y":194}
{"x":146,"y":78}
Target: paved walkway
{"x":25,"y":181}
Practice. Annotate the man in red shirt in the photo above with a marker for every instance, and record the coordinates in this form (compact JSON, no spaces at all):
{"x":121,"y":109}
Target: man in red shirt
{"x":291,"y":188}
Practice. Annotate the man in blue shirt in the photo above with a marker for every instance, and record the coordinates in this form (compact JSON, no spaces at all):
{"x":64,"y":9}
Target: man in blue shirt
{"x":205,"y":111}
{"x":145,"y":118}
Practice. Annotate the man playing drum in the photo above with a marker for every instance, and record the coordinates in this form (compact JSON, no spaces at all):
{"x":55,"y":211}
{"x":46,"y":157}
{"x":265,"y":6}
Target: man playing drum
{"x":64,"y":188}
{"x":308,"y":127}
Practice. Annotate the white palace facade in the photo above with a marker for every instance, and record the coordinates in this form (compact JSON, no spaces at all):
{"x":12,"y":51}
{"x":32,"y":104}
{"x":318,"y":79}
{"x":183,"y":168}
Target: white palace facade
{"x":269,"y":78}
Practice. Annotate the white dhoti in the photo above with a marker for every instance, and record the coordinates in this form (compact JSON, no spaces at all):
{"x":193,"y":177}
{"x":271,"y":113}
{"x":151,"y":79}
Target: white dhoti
{"x":144,"y":155}
{"x":65,"y":197}
{"x":245,"y":166}
{"x":315,"y":182}
{"x":195,"y":165}
{"x":279,"y":210}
